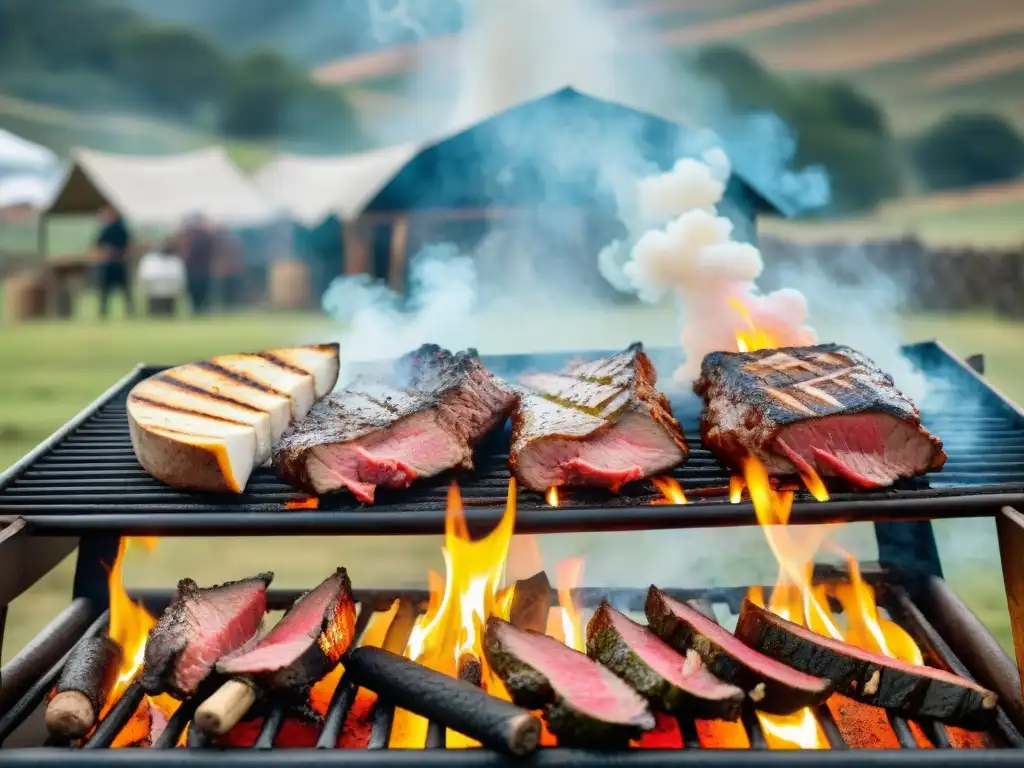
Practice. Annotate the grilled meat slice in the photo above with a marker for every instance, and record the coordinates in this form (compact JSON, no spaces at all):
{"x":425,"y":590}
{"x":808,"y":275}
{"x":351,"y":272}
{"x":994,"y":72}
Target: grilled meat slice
{"x":305,"y":644}
{"x":681,"y":686}
{"x":423,"y":421}
{"x":913,"y":690}
{"x":205,"y":426}
{"x":200,"y":627}
{"x":597,"y":423}
{"x":585,"y":704}
{"x":826,"y":408}
{"x":774,"y":687}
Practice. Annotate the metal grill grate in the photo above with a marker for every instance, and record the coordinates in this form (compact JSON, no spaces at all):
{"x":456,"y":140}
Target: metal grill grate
{"x":1003,"y":740}
{"x":87,"y":479}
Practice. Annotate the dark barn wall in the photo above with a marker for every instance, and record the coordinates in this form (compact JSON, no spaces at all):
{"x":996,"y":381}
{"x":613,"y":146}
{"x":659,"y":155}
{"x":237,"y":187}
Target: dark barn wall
{"x":555,"y":158}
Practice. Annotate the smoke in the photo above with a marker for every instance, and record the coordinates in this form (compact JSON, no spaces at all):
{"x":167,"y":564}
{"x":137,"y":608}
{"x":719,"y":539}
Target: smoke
{"x":695,"y":256}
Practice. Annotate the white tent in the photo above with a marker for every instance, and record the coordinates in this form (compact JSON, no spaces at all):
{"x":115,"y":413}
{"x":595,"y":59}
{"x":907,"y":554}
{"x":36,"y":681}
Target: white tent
{"x":308,"y":188}
{"x":161,"y":190}
{"x":18,"y":155}
{"x":29,"y":190}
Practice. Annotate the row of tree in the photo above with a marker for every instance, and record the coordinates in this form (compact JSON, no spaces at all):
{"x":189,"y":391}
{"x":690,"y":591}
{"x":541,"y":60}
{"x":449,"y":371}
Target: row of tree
{"x":98,"y":54}
{"x":847,"y":132}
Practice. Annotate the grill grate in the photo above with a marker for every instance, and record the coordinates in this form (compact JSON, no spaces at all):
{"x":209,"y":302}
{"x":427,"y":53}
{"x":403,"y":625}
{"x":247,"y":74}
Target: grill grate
{"x":1004,"y":740}
{"x":86,"y":479}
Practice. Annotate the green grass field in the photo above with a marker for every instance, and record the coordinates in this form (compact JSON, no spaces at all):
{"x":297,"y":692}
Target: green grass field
{"x":52,"y":370}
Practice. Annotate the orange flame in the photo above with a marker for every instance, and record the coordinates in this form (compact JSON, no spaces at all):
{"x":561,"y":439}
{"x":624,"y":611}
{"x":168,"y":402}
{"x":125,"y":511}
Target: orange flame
{"x":736,"y":487}
{"x":670,"y":489}
{"x":452,"y":627}
{"x":305,"y":502}
{"x":750,"y":337}
{"x":129,"y":627}
{"x":568,"y":574}
{"x":551,"y":497}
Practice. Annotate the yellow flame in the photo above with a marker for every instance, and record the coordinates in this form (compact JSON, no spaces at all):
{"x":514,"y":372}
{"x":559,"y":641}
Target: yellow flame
{"x":750,"y":337}
{"x":453,"y":625}
{"x":670,"y":489}
{"x":552,"y":496}
{"x":736,"y":487}
{"x":568,"y":574}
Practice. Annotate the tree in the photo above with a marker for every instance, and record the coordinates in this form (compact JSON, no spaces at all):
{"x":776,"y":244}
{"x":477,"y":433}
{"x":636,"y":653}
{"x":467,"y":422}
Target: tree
{"x":177,"y":69}
{"x":842,"y":103}
{"x":257,"y":96}
{"x":969,"y":149}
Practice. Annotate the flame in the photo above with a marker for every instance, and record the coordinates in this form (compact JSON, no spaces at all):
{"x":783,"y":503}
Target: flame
{"x":304,"y":502}
{"x":129,"y":627}
{"x":736,"y":487}
{"x":568,"y":574}
{"x":551,"y":497}
{"x":452,"y":627}
{"x":670,"y":489}
{"x":750,"y":337}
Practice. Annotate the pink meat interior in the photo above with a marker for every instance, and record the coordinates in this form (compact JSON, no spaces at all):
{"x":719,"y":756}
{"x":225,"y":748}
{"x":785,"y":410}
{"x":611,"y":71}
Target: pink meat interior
{"x":221,"y":621}
{"x":764,"y":666}
{"x":867,"y":449}
{"x":418,"y":446}
{"x":581,"y":681}
{"x":290,"y":638}
{"x":688,"y":673}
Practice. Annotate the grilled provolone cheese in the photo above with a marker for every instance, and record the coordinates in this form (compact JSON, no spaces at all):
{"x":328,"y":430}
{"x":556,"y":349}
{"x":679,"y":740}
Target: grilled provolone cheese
{"x":205,"y":426}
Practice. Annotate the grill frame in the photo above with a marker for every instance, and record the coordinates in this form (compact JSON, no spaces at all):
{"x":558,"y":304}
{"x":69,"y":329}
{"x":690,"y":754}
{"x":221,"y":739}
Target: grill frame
{"x":894,"y":590}
{"x":420,"y":509}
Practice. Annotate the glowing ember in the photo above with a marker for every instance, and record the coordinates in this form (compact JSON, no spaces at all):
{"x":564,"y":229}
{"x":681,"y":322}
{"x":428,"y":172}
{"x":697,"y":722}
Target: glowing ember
{"x":670,"y":489}
{"x":552,"y":496}
{"x":568,"y":574}
{"x":306,"y":502}
{"x":452,"y":627}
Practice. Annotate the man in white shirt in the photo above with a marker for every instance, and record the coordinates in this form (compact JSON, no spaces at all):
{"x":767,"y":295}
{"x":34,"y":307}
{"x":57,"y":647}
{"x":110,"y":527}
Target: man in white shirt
{"x":161,"y":276}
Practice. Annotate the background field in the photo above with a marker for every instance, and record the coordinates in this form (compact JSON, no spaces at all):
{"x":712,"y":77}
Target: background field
{"x":60,"y":368}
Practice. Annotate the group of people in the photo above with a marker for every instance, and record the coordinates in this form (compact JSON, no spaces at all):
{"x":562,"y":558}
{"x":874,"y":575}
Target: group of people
{"x":197,"y":257}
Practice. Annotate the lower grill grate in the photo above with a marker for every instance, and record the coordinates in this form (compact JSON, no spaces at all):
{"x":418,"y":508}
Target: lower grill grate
{"x":87,"y":479}
{"x":950,"y":745}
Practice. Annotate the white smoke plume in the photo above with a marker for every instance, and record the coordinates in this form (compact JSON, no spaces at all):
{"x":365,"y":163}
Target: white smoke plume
{"x":688,"y":249}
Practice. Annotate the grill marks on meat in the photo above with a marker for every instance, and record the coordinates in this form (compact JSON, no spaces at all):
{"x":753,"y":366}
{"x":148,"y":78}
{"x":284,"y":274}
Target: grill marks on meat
{"x":773,"y":686}
{"x":911,"y":689}
{"x":424,"y":420}
{"x":585,"y":704}
{"x":825,"y":407}
{"x":305,"y":644}
{"x":199,"y":628}
{"x":677,"y":684}
{"x":597,"y":423}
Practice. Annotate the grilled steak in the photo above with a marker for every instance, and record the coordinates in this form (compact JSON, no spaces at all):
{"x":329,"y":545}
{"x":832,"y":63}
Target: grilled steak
{"x":585,"y":704}
{"x":599,"y":423}
{"x":199,"y":628}
{"x":305,"y":644}
{"x":424,"y":420}
{"x":911,"y":689}
{"x":682,"y":686}
{"x":774,"y":687}
{"x":826,"y":408}
{"x":205,"y":426}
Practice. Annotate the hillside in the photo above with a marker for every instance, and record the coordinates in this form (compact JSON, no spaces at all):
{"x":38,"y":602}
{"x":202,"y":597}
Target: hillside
{"x":921,"y":59}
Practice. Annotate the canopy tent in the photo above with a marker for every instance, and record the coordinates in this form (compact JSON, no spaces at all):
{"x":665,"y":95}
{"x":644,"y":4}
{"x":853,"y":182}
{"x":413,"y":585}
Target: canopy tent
{"x":161,"y":190}
{"x":18,"y":155}
{"x":309,"y":188}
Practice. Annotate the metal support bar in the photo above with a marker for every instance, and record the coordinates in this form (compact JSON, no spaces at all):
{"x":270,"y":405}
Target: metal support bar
{"x":1010,"y":529}
{"x":96,"y":556}
{"x":908,"y":547}
{"x":24,"y":559}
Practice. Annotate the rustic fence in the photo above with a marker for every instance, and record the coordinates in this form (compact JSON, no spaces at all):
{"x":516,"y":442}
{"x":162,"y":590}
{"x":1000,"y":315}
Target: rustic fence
{"x":929,"y":279}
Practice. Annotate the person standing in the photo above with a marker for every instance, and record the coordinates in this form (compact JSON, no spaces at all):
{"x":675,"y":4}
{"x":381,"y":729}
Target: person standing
{"x":198,"y":248}
{"x":111,"y":256}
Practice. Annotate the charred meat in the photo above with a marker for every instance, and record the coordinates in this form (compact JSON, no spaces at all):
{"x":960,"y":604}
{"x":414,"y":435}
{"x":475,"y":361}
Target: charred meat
{"x":199,"y":628}
{"x":305,"y":644}
{"x":772,"y":686}
{"x":910,"y":689}
{"x":585,"y":704}
{"x":425,"y":418}
{"x":677,"y":684}
{"x":825,"y":408}
{"x":599,"y":423}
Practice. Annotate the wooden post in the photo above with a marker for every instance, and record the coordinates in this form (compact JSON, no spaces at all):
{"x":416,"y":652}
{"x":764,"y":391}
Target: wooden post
{"x":357,"y":256}
{"x":1010,"y":529}
{"x":396,"y":265}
